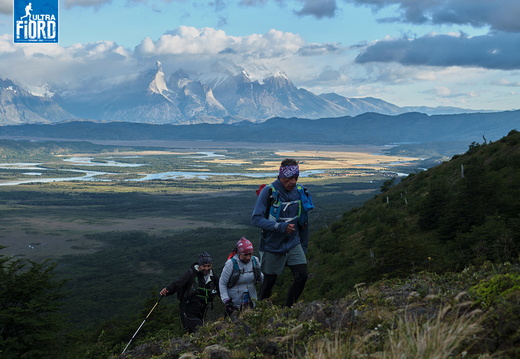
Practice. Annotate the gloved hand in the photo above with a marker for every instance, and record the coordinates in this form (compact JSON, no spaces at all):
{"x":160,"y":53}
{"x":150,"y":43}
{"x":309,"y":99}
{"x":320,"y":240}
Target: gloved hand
{"x":229,"y":306}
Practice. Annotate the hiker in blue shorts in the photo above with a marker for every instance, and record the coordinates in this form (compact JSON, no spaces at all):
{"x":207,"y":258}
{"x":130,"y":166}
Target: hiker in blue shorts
{"x":281,"y":212}
{"x":239,"y":277}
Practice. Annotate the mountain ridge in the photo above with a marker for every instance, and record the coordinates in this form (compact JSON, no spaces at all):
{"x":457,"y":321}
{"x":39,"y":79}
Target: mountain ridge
{"x":228,"y":95}
{"x":364,"y":129}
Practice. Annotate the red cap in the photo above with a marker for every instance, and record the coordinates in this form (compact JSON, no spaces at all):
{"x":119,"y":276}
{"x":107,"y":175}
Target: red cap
{"x":244,"y":246}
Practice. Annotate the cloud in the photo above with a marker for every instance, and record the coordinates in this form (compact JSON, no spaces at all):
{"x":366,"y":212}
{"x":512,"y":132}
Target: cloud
{"x":319,"y":49}
{"x":187,"y":40}
{"x":85,"y":3}
{"x":329,"y":74}
{"x":253,"y":2}
{"x":6,"y":7}
{"x":442,"y":91}
{"x":499,"y":15}
{"x":185,"y":47}
{"x":493,"y":51}
{"x":155,"y":5}
{"x":506,"y":83}
{"x":318,"y":9}
{"x":37,"y":64}
{"x":446,"y":96}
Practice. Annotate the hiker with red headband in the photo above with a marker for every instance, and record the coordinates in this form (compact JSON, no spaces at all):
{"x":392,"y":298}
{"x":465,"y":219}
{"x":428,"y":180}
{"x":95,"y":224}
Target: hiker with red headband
{"x":239,"y":277}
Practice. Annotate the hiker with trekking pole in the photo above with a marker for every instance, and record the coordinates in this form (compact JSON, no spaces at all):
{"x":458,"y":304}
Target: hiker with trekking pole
{"x":281,"y":212}
{"x":239,"y":277}
{"x":195,"y":289}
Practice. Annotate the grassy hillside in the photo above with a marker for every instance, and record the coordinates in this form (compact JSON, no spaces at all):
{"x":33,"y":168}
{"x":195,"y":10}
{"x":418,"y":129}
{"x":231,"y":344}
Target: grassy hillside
{"x":427,"y":268}
{"x":454,"y":315}
{"x":462,"y":212}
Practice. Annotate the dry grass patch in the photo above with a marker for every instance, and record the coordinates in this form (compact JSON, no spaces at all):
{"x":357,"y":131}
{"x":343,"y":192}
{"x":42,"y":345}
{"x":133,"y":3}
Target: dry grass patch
{"x":336,"y":160}
{"x":448,"y":335}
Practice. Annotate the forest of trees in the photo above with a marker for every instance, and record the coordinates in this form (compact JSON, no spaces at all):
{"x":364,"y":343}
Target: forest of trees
{"x":31,"y":325}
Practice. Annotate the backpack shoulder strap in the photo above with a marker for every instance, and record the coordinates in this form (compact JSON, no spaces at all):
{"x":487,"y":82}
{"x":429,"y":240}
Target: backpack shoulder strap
{"x":184,"y":293}
{"x":272,"y":198}
{"x":256,"y":270}
{"x":233,"y":278}
{"x":235,"y":264}
{"x":272,"y":191}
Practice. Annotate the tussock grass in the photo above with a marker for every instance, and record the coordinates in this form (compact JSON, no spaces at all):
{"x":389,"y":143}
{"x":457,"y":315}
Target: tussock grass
{"x":338,"y":347}
{"x":448,"y":335}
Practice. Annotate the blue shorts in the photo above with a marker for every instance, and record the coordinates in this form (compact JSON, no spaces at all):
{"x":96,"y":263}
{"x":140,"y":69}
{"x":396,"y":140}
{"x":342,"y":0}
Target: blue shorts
{"x":274,"y":263}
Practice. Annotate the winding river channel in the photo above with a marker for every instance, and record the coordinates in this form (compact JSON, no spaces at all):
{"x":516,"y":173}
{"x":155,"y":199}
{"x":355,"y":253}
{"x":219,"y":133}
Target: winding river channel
{"x":38,"y":171}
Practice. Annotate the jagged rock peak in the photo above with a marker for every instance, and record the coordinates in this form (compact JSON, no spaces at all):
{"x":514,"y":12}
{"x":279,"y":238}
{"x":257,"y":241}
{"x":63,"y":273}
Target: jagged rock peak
{"x":280,"y":74}
{"x":158,"y":84}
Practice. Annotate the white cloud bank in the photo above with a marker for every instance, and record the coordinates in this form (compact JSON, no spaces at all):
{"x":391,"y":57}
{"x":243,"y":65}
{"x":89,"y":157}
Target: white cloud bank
{"x":186,"y":47}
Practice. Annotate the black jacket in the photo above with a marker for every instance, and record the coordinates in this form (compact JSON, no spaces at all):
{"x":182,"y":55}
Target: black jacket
{"x":191,"y":287}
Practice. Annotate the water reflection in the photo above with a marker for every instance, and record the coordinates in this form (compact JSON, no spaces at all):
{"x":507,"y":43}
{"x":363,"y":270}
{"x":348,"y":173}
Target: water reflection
{"x":206,"y":175}
{"x":87,"y":176}
{"x":88,"y":161}
{"x":94,"y":175}
{"x":205,"y":154}
{"x":21,"y":166}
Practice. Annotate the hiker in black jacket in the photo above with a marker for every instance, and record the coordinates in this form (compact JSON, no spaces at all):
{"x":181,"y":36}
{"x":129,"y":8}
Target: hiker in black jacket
{"x":195,"y":289}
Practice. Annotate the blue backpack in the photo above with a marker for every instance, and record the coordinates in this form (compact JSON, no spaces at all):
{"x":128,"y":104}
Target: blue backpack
{"x":304,"y":204}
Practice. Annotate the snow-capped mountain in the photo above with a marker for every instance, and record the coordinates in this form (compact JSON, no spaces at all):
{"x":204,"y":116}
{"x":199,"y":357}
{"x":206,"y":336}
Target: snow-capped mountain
{"x":145,"y":98}
{"x":226,"y":94}
{"x":18,"y":106}
{"x":277,"y":96}
{"x":150,"y":98}
{"x":195,"y":100}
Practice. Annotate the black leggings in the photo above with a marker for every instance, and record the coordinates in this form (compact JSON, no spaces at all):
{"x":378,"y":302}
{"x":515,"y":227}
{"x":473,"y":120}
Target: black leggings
{"x":300,"y":275}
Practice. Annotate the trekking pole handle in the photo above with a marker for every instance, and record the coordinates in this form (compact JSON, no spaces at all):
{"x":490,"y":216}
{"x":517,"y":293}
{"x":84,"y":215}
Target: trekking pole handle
{"x":151,"y":310}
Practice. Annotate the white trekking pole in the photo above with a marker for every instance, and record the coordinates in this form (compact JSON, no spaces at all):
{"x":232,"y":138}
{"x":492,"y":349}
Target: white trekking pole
{"x":142,"y":324}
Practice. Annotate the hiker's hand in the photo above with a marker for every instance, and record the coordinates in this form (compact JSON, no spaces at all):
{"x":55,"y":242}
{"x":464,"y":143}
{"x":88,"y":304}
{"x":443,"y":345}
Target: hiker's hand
{"x":164,"y":292}
{"x":290,"y":228}
{"x":229,"y":305}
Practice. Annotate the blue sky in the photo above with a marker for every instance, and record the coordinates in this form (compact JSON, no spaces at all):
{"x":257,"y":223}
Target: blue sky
{"x":462,"y":53}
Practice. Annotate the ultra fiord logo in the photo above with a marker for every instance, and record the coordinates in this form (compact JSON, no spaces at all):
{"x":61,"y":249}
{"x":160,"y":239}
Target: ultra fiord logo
{"x":35,"y":20}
